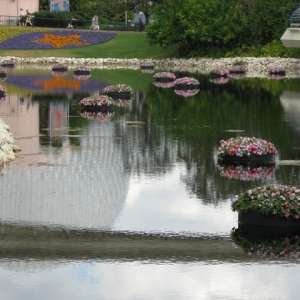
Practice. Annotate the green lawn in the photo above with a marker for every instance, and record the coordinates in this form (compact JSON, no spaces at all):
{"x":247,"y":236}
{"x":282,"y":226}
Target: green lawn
{"x":124,"y":45}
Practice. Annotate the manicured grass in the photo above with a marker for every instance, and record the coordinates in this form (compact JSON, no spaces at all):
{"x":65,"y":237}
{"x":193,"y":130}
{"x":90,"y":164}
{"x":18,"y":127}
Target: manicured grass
{"x":124,"y":45}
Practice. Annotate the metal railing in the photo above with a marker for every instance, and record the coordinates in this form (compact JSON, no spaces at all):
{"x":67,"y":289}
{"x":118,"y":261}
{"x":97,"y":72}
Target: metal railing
{"x":63,"y":23}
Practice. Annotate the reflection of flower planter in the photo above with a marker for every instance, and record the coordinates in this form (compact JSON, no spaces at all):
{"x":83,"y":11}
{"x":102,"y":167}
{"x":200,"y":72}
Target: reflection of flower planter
{"x":147,"y":66}
{"x":186,"y":86}
{"x":164,"y":77}
{"x":277,"y":71}
{"x":2,"y":94}
{"x":186,"y":83}
{"x":99,"y":116}
{"x":256,"y":218}
{"x":123,"y":102}
{"x":147,"y":70}
{"x":2,"y":99}
{"x":219,"y":73}
{"x":236,"y":76}
{"x":186,"y":93}
{"x":164,"y":85}
{"x":59,"y":73}
{"x":246,"y":172}
{"x":119,"y":95}
{"x":81,"y":77}
{"x":277,"y":77}
{"x":81,"y":72}
{"x":276,"y":243}
{"x":252,"y":158}
{"x":97,"y":108}
{"x":219,"y":80}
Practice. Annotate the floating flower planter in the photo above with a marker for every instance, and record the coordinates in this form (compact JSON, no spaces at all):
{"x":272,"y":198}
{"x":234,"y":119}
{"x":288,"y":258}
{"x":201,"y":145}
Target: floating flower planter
{"x":2,"y":91}
{"x":219,"y":80}
{"x":82,"y":71}
{"x":147,"y":66}
{"x":187,"y":93}
{"x":246,"y":150}
{"x":164,"y":85}
{"x":219,"y":73}
{"x":269,"y":205}
{"x":98,"y":116}
{"x":119,"y":91}
{"x":277,"y":71}
{"x":102,"y":103}
{"x":280,"y":246}
{"x":8,"y":64}
{"x":164,"y":77}
{"x":59,"y":68}
{"x":186,"y":83}
{"x":246,"y":172}
{"x":237,"y":70}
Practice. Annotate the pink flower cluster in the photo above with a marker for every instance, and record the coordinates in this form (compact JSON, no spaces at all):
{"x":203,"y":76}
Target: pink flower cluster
{"x":118,"y":88}
{"x":58,"y":66}
{"x":164,"y":84}
{"x":186,"y":80}
{"x":244,"y":146}
{"x":101,"y":100}
{"x":186,"y":93}
{"x":276,"y":70}
{"x":2,"y":88}
{"x":164,"y":75}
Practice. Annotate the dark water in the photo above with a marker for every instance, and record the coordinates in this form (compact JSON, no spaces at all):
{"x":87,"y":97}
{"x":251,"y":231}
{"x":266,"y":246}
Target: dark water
{"x":134,"y":205}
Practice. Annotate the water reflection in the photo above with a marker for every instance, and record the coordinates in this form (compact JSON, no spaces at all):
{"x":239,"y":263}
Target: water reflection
{"x":138,"y":193}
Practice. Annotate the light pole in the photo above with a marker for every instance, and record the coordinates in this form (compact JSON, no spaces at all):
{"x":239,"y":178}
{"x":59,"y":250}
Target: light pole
{"x":126,"y":12}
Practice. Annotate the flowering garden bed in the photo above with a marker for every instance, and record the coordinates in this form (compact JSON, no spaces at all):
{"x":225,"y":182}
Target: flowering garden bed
{"x":246,"y":149}
{"x":118,"y":91}
{"x":219,"y":80}
{"x":186,"y":83}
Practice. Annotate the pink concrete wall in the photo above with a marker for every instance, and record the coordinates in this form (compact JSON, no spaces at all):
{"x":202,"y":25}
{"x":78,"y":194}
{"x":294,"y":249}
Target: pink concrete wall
{"x":12,"y":7}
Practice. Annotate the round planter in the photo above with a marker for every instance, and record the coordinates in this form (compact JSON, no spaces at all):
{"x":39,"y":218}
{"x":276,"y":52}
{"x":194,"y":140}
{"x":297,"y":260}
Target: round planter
{"x":94,"y":108}
{"x":258,"y":219}
{"x":82,"y":72}
{"x":186,"y":86}
{"x":252,"y":158}
{"x":164,"y":79}
{"x":281,"y":73}
{"x":119,"y":95}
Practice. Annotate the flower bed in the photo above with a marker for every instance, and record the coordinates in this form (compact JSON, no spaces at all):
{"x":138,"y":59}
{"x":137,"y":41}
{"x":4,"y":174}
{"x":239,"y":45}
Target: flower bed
{"x":164,"y":77}
{"x":246,"y":172}
{"x":187,"y":93}
{"x":56,"y":39}
{"x":246,"y":149}
{"x":277,"y":71}
{"x":186,"y":83}
{"x":118,"y":91}
{"x":287,"y":246}
{"x":164,"y":85}
{"x":82,"y":71}
{"x":100,"y":103}
{"x":219,"y":73}
{"x":280,"y":201}
{"x":59,"y":67}
{"x":7,"y":64}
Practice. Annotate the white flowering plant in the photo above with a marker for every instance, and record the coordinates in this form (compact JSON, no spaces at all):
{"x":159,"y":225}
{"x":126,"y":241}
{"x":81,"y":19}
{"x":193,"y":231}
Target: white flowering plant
{"x":271,"y":200}
{"x":245,"y":146}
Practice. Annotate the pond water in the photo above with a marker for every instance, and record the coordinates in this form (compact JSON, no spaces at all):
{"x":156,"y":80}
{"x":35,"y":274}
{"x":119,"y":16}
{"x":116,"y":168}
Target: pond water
{"x":134,"y":204}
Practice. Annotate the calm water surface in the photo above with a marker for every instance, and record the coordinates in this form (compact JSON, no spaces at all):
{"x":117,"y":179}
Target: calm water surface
{"x":134,"y":205}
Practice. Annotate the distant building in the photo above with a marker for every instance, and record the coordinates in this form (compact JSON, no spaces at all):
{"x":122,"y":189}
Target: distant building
{"x":12,"y":7}
{"x":59,"y":5}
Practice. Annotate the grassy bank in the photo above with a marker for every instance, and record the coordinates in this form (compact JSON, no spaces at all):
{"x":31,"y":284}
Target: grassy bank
{"x":124,"y":45}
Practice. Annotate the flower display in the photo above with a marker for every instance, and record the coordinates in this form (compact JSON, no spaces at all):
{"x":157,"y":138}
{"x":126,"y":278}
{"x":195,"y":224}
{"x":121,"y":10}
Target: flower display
{"x":237,"y":70}
{"x":82,"y":70}
{"x":246,"y":172}
{"x":277,"y":71}
{"x":244,"y":146}
{"x":98,"y":116}
{"x":273,"y":247}
{"x":187,"y":93}
{"x":271,"y":200}
{"x":123,"y":102}
{"x":7,"y":64}
{"x":164,"y":75}
{"x":101,"y":100}
{"x":118,"y":88}
{"x":236,"y":75}
{"x":219,"y":80}
{"x":187,"y":81}
{"x":219,"y":73}
{"x":56,"y":39}
{"x":164,"y":85}
{"x":59,"y":67}
{"x":2,"y":88}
